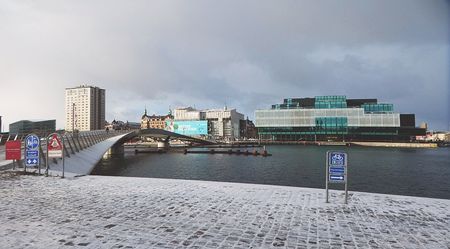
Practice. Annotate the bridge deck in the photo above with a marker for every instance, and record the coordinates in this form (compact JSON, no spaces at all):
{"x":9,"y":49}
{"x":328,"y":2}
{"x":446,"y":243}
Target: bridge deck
{"x":82,"y":160}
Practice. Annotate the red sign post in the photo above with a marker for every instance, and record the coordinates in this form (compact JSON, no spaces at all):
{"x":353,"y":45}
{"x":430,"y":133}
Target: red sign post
{"x":55,"y":149}
{"x":54,"y":146}
{"x":13,"y":150}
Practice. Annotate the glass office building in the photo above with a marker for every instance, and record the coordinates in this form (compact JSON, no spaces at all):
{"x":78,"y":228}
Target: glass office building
{"x":335,"y":118}
{"x":41,"y":127}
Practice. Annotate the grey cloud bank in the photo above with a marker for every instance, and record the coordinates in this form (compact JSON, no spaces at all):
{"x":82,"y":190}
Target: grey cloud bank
{"x":247,"y":54}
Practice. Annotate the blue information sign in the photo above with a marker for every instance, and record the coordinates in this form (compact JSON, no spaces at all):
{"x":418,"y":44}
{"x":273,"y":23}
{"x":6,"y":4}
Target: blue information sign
{"x":31,"y":150}
{"x":32,"y":162}
{"x":336,"y":170}
{"x":337,"y":167}
{"x":32,"y":142}
{"x":32,"y":154}
{"x":337,"y":178}
{"x":337,"y":159}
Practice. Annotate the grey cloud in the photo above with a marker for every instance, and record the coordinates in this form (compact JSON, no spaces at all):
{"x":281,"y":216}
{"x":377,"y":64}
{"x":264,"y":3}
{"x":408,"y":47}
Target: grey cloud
{"x":247,"y":54}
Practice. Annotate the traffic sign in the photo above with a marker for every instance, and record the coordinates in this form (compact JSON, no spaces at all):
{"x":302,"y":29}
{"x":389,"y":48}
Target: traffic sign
{"x":13,"y":150}
{"x":32,"y":150}
{"x":337,"y":159}
{"x":55,"y":149}
{"x":32,"y":142}
{"x":32,"y":153}
{"x":336,"y":170}
{"x":338,"y":178}
{"x":54,"y":146}
{"x":32,"y":162}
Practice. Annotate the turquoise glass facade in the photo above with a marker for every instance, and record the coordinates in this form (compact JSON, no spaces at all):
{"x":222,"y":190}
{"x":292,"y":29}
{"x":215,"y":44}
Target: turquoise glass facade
{"x":330,"y":102}
{"x":332,"y":122}
{"x":331,"y":125}
{"x":378,"y":108}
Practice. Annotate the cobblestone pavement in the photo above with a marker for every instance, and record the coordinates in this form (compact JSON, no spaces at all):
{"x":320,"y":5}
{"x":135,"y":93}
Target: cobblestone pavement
{"x":119,"y":212}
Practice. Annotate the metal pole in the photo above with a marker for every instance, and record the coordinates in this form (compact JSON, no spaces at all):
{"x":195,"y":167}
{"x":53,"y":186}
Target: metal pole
{"x":326,"y":180}
{"x":39,"y":164}
{"x":63,"y":154}
{"x":46,"y":159}
{"x":41,"y":153}
{"x":346,"y":183}
{"x":73,"y":117}
{"x":24,"y":156}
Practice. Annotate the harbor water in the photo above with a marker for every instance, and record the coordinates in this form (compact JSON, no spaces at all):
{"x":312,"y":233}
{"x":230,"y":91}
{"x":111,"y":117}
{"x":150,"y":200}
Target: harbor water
{"x":414,"y":172}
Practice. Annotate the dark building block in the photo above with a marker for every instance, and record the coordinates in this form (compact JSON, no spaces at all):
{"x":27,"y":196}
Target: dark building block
{"x":407,"y":120}
{"x":359,"y":102}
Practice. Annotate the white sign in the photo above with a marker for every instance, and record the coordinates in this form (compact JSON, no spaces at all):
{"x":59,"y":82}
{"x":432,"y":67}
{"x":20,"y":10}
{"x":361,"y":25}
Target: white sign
{"x":54,"y":146}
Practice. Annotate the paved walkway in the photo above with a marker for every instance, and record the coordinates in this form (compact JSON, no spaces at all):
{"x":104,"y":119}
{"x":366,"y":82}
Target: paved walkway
{"x":119,"y":212}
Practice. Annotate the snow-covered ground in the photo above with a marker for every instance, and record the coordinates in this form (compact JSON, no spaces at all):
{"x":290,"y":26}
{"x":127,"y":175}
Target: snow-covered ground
{"x":120,"y":212}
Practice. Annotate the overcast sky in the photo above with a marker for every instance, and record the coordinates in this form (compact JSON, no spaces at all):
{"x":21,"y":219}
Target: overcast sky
{"x":208,"y":54}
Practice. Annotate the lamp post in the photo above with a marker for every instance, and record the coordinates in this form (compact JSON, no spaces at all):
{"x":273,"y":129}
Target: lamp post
{"x":73,"y":117}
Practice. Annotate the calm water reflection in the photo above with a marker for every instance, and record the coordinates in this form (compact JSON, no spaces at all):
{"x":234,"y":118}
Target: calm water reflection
{"x":417,"y":172}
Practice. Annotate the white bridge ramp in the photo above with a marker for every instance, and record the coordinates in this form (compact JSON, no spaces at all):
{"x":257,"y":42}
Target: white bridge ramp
{"x":82,"y":152}
{"x":84,"y":161}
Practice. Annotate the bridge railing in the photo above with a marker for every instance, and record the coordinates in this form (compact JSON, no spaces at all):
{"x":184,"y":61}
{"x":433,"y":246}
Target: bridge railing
{"x":73,"y":143}
{"x":76,"y":142}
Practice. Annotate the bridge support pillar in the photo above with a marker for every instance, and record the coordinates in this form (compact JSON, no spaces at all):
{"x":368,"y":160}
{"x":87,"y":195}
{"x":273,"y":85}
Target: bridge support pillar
{"x":116,"y":150}
{"x":163,"y":145}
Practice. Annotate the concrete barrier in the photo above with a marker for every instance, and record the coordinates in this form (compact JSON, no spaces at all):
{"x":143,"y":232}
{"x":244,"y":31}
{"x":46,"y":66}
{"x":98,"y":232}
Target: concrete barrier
{"x":396,"y":145}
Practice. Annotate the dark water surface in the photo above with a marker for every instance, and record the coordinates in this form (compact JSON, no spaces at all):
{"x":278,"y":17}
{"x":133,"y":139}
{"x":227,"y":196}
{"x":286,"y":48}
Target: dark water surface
{"x":416,"y":172}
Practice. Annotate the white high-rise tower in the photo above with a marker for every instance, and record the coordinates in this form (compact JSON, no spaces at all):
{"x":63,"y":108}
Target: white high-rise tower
{"x":85,"y":108}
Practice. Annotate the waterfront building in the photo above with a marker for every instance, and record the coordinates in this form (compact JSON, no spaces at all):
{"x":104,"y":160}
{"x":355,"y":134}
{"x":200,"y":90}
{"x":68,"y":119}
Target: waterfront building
{"x":248,"y":129}
{"x":121,"y":125}
{"x":221,"y":123}
{"x":188,"y":113}
{"x":39,"y":127}
{"x":224,"y":123}
{"x":85,"y":108}
{"x":335,"y":118}
{"x":435,"y":136}
{"x":133,"y":125}
{"x":154,"y":121}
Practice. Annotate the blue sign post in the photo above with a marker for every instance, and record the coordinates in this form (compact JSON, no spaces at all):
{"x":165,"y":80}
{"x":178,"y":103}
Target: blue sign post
{"x":336,"y":170}
{"x":32,"y":143}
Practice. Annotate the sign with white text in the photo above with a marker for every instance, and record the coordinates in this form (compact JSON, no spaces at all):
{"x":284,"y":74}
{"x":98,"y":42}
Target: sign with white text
{"x":54,"y":146}
{"x":13,"y":150}
{"x":336,"y":170}
{"x":32,"y":150}
{"x":337,"y":167}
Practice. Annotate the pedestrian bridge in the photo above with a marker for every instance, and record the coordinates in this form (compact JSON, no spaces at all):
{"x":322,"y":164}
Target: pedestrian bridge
{"x":84,"y":150}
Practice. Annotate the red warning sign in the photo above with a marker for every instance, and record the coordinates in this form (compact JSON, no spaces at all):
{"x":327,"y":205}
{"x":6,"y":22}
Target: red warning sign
{"x":13,"y":150}
{"x":54,"y":146}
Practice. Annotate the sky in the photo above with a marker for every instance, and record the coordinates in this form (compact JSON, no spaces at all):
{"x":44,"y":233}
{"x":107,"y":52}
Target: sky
{"x":246,"y":55}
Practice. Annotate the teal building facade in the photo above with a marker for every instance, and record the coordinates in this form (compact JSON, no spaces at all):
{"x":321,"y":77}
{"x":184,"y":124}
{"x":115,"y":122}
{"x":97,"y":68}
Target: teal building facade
{"x":335,"y":118}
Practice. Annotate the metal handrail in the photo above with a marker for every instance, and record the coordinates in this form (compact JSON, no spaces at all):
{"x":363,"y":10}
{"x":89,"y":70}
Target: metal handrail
{"x":73,"y":144}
